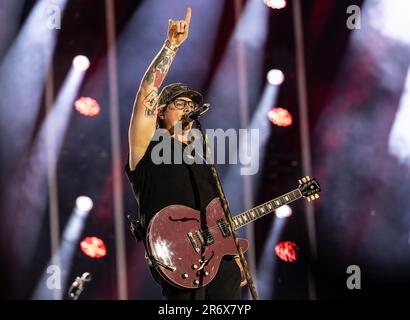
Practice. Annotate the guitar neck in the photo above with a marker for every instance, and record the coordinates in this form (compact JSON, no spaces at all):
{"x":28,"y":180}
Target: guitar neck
{"x":258,"y":212}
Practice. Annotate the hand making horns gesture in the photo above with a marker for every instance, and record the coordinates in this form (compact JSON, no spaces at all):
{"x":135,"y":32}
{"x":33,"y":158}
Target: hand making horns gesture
{"x":178,"y":30}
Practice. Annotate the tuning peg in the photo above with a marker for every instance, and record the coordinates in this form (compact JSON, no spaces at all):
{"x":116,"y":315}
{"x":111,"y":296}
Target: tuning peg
{"x":304,"y":180}
{"x":300,"y":181}
{"x":307,"y":178}
{"x":316,"y":196}
{"x":308,"y":199}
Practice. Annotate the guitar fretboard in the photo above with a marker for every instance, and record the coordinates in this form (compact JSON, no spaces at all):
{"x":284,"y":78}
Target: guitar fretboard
{"x":248,"y":216}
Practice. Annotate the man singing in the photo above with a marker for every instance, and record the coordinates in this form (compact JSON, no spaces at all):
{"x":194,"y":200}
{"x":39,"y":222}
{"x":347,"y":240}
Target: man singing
{"x":156,"y":186}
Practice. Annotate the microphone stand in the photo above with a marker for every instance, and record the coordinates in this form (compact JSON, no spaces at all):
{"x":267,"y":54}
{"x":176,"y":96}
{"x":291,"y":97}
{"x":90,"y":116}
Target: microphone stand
{"x":78,"y":285}
{"x":227,"y":212}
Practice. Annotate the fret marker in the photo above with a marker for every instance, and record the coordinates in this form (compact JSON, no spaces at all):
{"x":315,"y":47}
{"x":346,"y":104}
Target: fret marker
{"x":277,"y":202}
{"x":252,"y":214}
{"x":262,"y":210}
{"x":286,"y":198}
{"x":269,"y":206}
{"x":236,"y":222}
{"x":240,"y":219}
{"x":244,"y":218}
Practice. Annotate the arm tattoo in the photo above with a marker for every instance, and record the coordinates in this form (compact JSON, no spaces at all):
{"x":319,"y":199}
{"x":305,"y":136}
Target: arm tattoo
{"x":151,"y":103}
{"x":159,"y":67}
{"x":155,"y":76}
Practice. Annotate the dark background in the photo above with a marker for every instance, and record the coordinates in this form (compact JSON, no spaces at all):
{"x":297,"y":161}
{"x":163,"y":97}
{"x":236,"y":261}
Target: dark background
{"x":362,"y":217}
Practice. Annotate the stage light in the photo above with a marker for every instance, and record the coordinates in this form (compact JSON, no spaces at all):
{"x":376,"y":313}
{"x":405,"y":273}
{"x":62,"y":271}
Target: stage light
{"x":93,"y":247}
{"x":81,"y":63}
{"x":286,"y":251}
{"x":280,"y":117}
{"x":399,"y":138}
{"x":84,"y":203}
{"x":68,"y":246}
{"x":267,"y":265}
{"x":275,"y":77}
{"x":283,"y":211}
{"x":275,"y":4}
{"x":87,"y":106}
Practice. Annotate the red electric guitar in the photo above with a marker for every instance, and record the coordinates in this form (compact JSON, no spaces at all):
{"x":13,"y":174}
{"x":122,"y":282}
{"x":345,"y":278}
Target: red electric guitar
{"x":189,"y":257}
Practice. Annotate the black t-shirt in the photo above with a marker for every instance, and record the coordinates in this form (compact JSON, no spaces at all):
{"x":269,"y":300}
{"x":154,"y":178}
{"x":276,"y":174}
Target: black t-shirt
{"x":156,"y":186}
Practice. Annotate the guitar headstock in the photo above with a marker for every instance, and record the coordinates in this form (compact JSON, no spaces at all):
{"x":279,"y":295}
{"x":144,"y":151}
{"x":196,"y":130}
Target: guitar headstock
{"x":309,"y":187}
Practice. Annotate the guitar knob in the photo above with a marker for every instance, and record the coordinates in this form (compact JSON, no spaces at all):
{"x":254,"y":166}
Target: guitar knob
{"x":194,"y":266}
{"x":202,"y":272}
{"x":184,"y":275}
{"x":196,"y":282}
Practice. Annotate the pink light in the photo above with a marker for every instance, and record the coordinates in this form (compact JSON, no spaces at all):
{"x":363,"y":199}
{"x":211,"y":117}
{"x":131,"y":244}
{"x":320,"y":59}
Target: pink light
{"x":87,"y":106}
{"x":93,"y":247}
{"x":275,"y":4}
{"x":286,"y":251}
{"x":280,"y":117}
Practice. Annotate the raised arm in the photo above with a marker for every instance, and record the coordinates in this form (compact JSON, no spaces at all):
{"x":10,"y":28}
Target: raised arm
{"x":144,"y":113}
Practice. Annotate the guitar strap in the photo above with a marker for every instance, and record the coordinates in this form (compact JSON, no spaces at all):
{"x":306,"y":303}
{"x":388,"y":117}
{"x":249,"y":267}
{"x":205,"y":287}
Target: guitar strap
{"x":227,"y":212}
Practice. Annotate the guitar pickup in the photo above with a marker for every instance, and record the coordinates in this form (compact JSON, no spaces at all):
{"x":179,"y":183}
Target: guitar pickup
{"x":193,"y":242}
{"x":224,"y":228}
{"x":206,"y":237}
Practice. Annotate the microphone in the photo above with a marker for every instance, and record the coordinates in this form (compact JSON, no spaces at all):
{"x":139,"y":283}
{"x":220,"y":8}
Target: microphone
{"x":78,"y":285}
{"x":195,"y":114}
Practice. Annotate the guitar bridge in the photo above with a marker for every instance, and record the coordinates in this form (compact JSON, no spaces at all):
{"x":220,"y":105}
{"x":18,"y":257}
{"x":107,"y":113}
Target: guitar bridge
{"x":193,"y":242}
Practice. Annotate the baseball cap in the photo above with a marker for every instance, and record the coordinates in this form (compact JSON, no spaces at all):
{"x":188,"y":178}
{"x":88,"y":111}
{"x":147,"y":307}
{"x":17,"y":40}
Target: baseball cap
{"x":173,"y":90}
